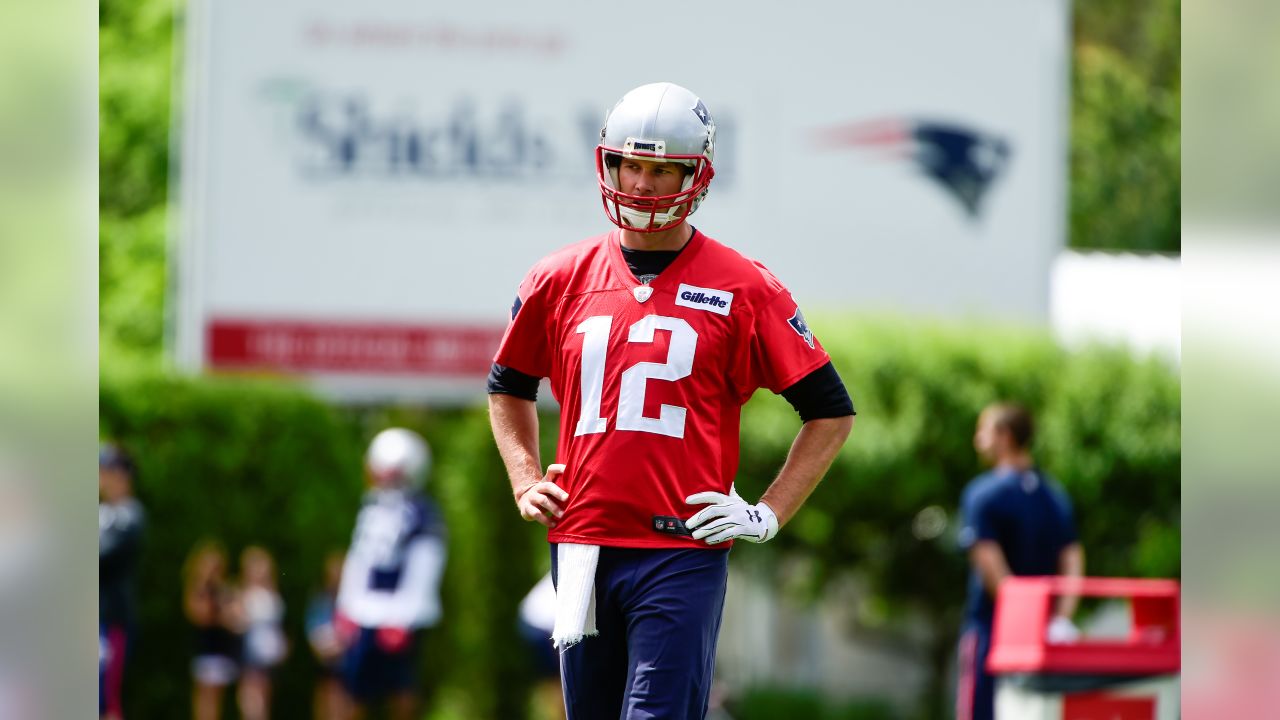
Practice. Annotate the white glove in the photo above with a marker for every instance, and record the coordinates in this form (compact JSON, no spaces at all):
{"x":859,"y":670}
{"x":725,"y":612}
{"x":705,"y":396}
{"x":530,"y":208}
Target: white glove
{"x":1061,"y":631}
{"x":730,"y":517}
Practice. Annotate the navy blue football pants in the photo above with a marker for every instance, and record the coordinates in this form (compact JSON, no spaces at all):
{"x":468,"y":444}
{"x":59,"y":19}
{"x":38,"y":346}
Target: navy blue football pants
{"x":371,"y":673}
{"x":975,"y":687}
{"x":658,"y":613}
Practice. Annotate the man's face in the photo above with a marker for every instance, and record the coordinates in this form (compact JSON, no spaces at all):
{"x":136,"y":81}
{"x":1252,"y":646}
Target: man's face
{"x":113,"y":483}
{"x":988,"y":436}
{"x":649,"y":178}
{"x":381,"y":480}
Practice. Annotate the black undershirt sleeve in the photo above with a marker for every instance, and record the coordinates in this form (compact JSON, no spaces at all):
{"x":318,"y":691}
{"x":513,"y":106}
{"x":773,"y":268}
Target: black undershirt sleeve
{"x":509,"y":381}
{"x":820,"y":394}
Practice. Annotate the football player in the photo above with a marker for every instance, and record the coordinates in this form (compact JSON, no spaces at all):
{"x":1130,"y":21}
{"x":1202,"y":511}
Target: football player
{"x":390,"y":587}
{"x":120,"y":529}
{"x":653,"y":336}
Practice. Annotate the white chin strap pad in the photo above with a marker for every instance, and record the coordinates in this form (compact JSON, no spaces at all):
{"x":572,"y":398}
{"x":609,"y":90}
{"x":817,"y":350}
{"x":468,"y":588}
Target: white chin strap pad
{"x":640,"y":219}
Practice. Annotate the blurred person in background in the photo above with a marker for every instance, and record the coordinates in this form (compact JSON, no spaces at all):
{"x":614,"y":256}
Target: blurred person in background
{"x":329,"y":701}
{"x":213,"y":609}
{"x":120,"y":528}
{"x":1015,"y":520}
{"x":537,"y":619}
{"x":390,"y":589}
{"x":264,"y":644}
{"x":654,"y":336}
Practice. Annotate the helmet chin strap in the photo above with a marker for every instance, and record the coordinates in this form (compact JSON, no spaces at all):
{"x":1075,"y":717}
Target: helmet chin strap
{"x":641,"y":219}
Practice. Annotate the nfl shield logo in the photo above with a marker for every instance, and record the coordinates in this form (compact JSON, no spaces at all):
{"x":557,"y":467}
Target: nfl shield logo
{"x":798,"y":324}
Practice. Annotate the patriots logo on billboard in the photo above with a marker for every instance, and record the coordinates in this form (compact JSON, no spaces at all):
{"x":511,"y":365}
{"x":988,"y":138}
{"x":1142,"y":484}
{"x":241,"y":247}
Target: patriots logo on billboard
{"x":798,"y":324}
{"x":963,"y":161}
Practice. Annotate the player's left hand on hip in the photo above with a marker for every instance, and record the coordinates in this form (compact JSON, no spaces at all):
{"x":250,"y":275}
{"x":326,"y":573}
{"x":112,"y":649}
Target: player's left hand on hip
{"x":730,"y":518}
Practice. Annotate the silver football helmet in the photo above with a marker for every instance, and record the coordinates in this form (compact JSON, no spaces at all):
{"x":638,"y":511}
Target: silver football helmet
{"x":398,"y":457}
{"x":664,"y":122}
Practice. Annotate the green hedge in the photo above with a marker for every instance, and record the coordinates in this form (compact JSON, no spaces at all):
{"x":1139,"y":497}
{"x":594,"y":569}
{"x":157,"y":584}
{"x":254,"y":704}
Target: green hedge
{"x":243,"y":463}
{"x":1109,"y":431}
{"x":252,"y":462}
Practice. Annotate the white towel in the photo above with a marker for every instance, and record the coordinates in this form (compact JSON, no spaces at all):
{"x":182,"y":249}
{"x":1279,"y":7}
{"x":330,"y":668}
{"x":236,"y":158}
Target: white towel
{"x":575,"y":593}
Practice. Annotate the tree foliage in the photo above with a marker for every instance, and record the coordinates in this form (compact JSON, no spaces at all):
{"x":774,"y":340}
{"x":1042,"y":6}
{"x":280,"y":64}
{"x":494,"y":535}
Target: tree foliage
{"x":1126,"y":92}
{"x":135,"y":86}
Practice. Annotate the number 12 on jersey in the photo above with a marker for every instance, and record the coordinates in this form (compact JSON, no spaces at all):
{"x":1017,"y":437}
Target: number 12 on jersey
{"x":595,"y":347}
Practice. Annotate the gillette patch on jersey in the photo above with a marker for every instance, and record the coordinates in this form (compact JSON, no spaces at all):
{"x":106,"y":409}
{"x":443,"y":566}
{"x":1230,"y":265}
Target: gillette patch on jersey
{"x":716,"y":301}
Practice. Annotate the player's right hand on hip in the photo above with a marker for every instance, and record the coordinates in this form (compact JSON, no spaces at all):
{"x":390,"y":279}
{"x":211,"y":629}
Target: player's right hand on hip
{"x":541,"y":501}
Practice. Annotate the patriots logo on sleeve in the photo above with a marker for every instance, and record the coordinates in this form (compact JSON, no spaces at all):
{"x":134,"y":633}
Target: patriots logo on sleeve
{"x":798,"y":324}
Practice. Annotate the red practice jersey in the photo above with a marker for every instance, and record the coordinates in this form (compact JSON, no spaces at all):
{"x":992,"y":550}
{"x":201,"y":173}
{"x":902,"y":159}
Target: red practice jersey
{"x":651,"y":379}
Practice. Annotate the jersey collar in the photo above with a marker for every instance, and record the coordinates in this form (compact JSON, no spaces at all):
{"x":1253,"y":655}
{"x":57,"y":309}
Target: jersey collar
{"x":666,"y":277}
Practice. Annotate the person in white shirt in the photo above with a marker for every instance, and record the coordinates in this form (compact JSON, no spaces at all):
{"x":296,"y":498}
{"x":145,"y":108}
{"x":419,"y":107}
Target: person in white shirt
{"x":390,"y":588}
{"x":264,"y":643}
{"x":537,"y":620}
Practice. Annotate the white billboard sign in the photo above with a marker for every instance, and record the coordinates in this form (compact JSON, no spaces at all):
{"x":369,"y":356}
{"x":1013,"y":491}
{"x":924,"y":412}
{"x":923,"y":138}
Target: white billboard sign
{"x":364,"y":184}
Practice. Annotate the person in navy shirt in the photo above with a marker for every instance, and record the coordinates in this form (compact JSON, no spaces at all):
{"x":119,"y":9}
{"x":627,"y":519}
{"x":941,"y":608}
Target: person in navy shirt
{"x":1015,"y":521}
{"x":121,"y":523}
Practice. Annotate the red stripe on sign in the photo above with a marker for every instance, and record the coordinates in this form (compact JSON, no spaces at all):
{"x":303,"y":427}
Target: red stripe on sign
{"x":377,"y":348}
{"x":1102,"y":706}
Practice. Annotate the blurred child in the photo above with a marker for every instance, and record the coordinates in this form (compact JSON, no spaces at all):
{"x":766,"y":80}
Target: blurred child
{"x":330,"y":701}
{"x":212,"y":608}
{"x":264,"y":645}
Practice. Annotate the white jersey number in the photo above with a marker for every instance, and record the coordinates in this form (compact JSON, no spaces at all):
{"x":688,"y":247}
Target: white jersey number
{"x":595,"y":344}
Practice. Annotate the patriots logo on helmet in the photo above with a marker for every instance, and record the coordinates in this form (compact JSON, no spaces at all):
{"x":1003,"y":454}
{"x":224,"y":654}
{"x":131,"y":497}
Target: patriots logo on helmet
{"x":965,"y":162}
{"x":798,"y":324}
{"x":701,"y":111}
